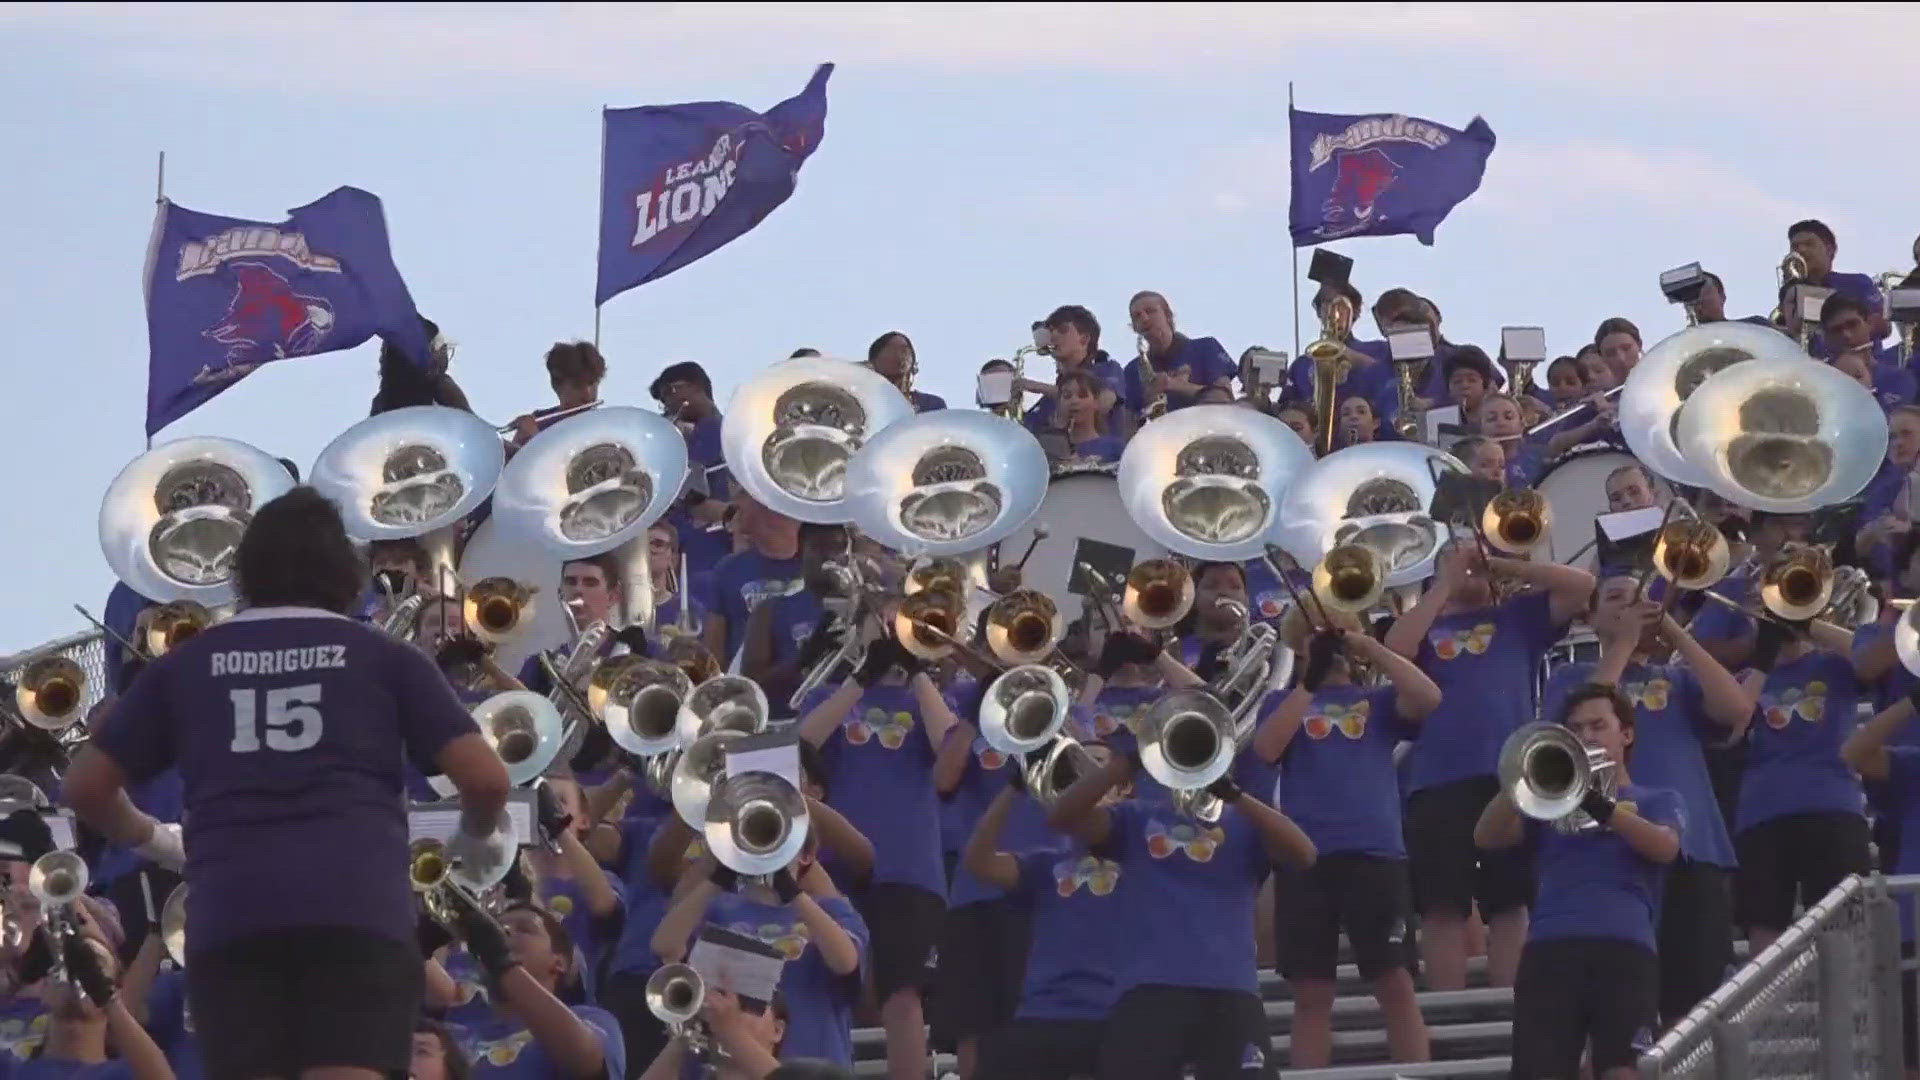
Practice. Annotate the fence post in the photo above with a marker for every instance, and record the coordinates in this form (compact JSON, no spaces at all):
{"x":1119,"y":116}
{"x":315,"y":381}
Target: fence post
{"x":1883,"y":938}
{"x":1731,"y":1040}
{"x":1835,"y":991}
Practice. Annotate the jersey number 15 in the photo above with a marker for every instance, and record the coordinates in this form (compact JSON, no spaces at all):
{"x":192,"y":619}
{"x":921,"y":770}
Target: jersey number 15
{"x":292,"y":720}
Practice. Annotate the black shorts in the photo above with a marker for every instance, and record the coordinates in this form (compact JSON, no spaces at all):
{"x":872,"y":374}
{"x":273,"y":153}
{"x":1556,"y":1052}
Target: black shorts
{"x":1155,"y":1030}
{"x":1449,"y":873}
{"x":1041,"y":1050}
{"x":1366,"y":895}
{"x":1796,"y":857}
{"x":283,"y":1002}
{"x":1574,"y":991}
{"x":983,"y":961}
{"x":1696,"y":935}
{"x":625,"y":996}
{"x":903,"y":924}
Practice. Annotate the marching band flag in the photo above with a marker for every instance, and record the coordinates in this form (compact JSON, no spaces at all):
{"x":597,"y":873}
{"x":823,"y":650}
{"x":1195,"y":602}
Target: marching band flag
{"x":1380,"y":175}
{"x":225,"y":295}
{"x":680,"y":181}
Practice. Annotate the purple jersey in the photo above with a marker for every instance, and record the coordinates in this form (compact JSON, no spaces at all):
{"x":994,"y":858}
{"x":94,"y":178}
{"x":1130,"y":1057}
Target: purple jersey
{"x":289,"y":727}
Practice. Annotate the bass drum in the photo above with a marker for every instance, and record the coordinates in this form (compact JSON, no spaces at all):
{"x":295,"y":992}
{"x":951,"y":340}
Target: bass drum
{"x":1083,"y":518}
{"x":1575,"y":487}
{"x":491,"y":552}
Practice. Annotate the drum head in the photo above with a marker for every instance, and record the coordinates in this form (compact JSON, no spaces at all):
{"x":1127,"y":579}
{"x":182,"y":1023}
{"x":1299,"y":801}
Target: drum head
{"x":1079,"y":507}
{"x":491,"y":552}
{"x":1575,"y":488}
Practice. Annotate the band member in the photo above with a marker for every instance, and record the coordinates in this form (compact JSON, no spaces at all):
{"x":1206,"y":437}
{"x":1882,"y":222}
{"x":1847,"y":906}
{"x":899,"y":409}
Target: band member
{"x":587,"y":898}
{"x":1177,"y":367}
{"x":882,"y":770}
{"x":404,"y":382}
{"x":1631,"y":487}
{"x":1885,"y":751}
{"x":1220,"y":615}
{"x":776,"y":653}
{"x":1619,"y":343}
{"x":802,"y":914}
{"x":574,"y":370}
{"x":1800,"y":827}
{"x":302,"y":952}
{"x":747,"y":1034}
{"x":1566,"y":382}
{"x":663,"y":569}
{"x":1188,"y":999}
{"x":436,"y":1056}
{"x":768,"y":566}
{"x":1076,"y":346}
{"x":685,"y":394}
{"x":158,"y":1000}
{"x":1083,"y":435}
{"x":892,"y":355}
{"x":1302,"y":421}
{"x":528,"y":959}
{"x":88,"y":1021}
{"x":1711,"y":305}
{"x":1846,"y":325}
{"x":1679,"y":709}
{"x":1484,"y":656}
{"x":1338,"y":783}
{"x":1357,"y":422}
{"x":1814,"y":242}
{"x":1588,"y":975}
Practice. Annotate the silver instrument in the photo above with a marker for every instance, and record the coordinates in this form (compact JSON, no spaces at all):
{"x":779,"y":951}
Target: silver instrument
{"x":790,"y":433}
{"x":1024,"y":709}
{"x":1546,"y":770}
{"x":443,"y":881}
{"x":1786,"y":436}
{"x":1206,"y":481}
{"x":58,"y":880}
{"x":1377,"y":495}
{"x":173,"y":925}
{"x":695,"y":770}
{"x":523,"y":728}
{"x":639,"y":702}
{"x":850,"y":584}
{"x":722,"y":703}
{"x":171,"y":522}
{"x":945,"y":482}
{"x":1659,"y":386}
{"x":756,"y":823}
{"x":675,"y":994}
{"x":1187,"y":740}
{"x":1054,"y":767}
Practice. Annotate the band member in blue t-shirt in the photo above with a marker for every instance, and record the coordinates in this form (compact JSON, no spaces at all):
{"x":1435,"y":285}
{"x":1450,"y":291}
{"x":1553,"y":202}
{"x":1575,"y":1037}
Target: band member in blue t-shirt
{"x":1885,"y":751}
{"x":1589,"y":977}
{"x":1189,"y":990}
{"x":289,"y":723}
{"x":1176,"y":367}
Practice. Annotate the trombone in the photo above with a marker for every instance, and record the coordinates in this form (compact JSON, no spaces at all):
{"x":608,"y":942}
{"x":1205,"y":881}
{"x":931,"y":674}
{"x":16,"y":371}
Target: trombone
{"x":1158,"y":594}
{"x":170,"y":624}
{"x":1517,"y":520}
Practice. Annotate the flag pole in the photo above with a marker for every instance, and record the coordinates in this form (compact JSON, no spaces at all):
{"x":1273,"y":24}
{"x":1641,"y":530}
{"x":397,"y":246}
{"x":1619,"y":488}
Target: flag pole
{"x":603,"y":210}
{"x":1294,"y":246}
{"x":153,"y":245}
{"x":160,"y":180}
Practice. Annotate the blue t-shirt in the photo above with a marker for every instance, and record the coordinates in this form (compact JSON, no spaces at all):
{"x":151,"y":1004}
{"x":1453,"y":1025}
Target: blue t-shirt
{"x":1592,"y":885}
{"x":1108,"y":372}
{"x":794,"y":617}
{"x":882,"y":768}
{"x":47,"y":1069}
{"x":170,"y":1022}
{"x":1080,"y":926}
{"x":1025,"y":827}
{"x":1210,"y":874}
{"x":1485,"y":663}
{"x":1807,"y":709}
{"x":23,"y":1027}
{"x":646,"y":903}
{"x":592,"y":938}
{"x":289,"y":727}
{"x":501,"y":1047}
{"x":1204,"y":358}
{"x":925,"y":402}
{"x":819,"y":1002}
{"x":1101,"y":448}
{"x":743,"y":581}
{"x":1892,"y":686}
{"x":1670,"y":734}
{"x":1900,"y":796}
{"x":1119,"y":711}
{"x":704,"y":549}
{"x":1717,"y":622}
{"x":1337,"y":771}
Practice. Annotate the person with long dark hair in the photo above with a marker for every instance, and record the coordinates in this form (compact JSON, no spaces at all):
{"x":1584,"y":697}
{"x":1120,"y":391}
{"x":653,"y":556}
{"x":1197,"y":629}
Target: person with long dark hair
{"x":892,"y":355}
{"x":404,"y":381}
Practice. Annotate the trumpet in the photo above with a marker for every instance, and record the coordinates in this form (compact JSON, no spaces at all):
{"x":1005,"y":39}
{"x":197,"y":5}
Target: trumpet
{"x":51,"y":693}
{"x":1330,"y":365}
{"x":58,"y":879}
{"x":497,"y":608}
{"x":675,"y":994}
{"x":1517,"y":520}
{"x":1159,"y":593}
{"x":430,"y":870}
{"x":172,"y":623}
{"x":1546,"y":770}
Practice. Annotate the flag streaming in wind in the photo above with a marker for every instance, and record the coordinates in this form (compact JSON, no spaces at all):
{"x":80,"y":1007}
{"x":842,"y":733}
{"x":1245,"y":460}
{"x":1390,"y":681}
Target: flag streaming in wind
{"x":1380,"y":175}
{"x":680,"y":181}
{"x":225,"y":295}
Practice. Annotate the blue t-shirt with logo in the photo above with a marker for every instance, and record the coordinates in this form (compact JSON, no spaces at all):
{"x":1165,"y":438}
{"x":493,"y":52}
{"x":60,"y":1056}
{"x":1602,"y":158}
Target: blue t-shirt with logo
{"x":23,"y":1027}
{"x":819,"y":1002}
{"x":1210,"y":874}
{"x":1592,"y":885}
{"x":742,"y":582}
{"x":1025,"y":827}
{"x":882,"y":767}
{"x":1205,"y":359}
{"x":1807,"y":709}
{"x":1670,"y":736}
{"x":501,"y":1047}
{"x":1080,"y":926}
{"x":1337,"y":772}
{"x":1485,"y":663}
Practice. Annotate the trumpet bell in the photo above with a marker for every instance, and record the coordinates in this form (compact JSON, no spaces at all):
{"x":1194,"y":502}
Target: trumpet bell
{"x":723,"y":703}
{"x":1786,"y":436}
{"x":1351,"y":579}
{"x":1024,"y":626}
{"x":593,"y":482}
{"x":173,"y":925}
{"x":57,"y":879}
{"x":172,"y":520}
{"x":1692,"y":554}
{"x":1517,"y":520}
{"x":524,"y":729}
{"x":675,"y":994}
{"x":639,"y":702}
{"x":756,"y":823}
{"x":428,"y":864}
{"x":410,"y":471}
{"x":946,"y":482}
{"x":1187,"y":740}
{"x":1798,"y":583}
{"x":1024,"y":709}
{"x":1546,"y":770}
{"x":1374,"y":494}
{"x":497,"y":608}
{"x":790,"y":434}
{"x":928,"y":623}
{"x":1158,"y":594}
{"x":1660,"y":385}
{"x":1205,"y":481}
{"x":943,"y":572}
{"x":51,"y":693}
{"x":172,"y":623}
{"x":696,"y":770}
{"x":1051,"y":770}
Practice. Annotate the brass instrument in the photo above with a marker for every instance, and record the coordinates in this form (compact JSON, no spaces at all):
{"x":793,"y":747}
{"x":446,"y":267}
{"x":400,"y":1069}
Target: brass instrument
{"x":1330,"y":365}
{"x":1159,"y":593}
{"x":1024,"y":709}
{"x":1691,"y":554}
{"x":58,"y":879}
{"x":170,"y":624}
{"x":1042,"y":345}
{"x":1517,"y":520}
{"x":930,"y":622}
{"x":1410,"y":419}
{"x":1158,"y":406}
{"x":696,"y":769}
{"x":437,"y":878}
{"x":756,"y":823}
{"x":51,"y":693}
{"x":1052,"y":769}
{"x":1853,"y":604}
{"x":1666,"y":378}
{"x":1797,"y":583}
{"x":173,"y":925}
{"x":497,"y":608}
{"x":1351,"y":579}
{"x":1793,"y":271}
{"x":722,"y":703}
{"x":675,"y":994}
{"x":1374,"y":494}
{"x":524,"y":729}
{"x":938,"y":573}
{"x":1187,"y":742}
{"x":790,"y":433}
{"x":848,"y":583}
{"x":1023,"y":627}
{"x":1205,"y":482}
{"x":639,"y":702}
{"x":403,"y":621}
{"x":683,"y":625}
{"x":949,"y":482}
{"x":1246,"y":672}
{"x":1547,"y":771}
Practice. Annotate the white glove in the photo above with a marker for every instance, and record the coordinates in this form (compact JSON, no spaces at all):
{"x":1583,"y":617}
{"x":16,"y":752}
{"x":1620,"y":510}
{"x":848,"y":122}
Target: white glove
{"x":165,"y":848}
{"x":482,"y":858}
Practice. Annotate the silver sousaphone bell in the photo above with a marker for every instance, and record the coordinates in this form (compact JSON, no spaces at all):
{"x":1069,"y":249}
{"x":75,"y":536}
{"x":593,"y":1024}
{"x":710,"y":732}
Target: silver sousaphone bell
{"x":756,"y":823}
{"x":1376,"y":495}
{"x":171,"y":522}
{"x":790,"y":433}
{"x":1206,"y":481}
{"x":1786,"y":436}
{"x":1666,"y":376}
{"x":946,"y":482}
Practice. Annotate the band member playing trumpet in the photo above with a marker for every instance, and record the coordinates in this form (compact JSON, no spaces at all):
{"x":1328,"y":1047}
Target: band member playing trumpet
{"x":1484,"y":656}
{"x":1334,"y":741}
{"x":1176,"y":367}
{"x":1588,"y":975}
{"x":88,"y":1023}
{"x":1679,"y":708}
{"x":750,"y":1040}
{"x":892,"y":355}
{"x":529,"y":960}
{"x":574,"y":370}
{"x":289,"y":723}
{"x":1076,"y":346}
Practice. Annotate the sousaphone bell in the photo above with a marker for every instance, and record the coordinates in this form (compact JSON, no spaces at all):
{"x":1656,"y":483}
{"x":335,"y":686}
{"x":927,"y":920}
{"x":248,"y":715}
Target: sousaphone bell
{"x":1206,"y":481}
{"x":1785,"y":436}
{"x":946,"y":482}
{"x":1377,"y":495}
{"x":790,"y":434}
{"x":1662,"y":382}
{"x":171,"y":522}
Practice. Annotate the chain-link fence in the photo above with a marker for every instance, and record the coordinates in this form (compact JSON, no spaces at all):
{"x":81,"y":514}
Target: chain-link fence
{"x":1822,"y":1002}
{"x":86,"y":649}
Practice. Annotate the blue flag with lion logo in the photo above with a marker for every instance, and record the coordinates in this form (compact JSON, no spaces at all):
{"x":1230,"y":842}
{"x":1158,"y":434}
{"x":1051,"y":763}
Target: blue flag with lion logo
{"x":1380,"y":175}
{"x":226,"y":295}
{"x":681,"y":181}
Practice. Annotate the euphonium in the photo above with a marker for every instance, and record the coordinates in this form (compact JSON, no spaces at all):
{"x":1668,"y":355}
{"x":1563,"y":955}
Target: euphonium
{"x":1023,"y":627}
{"x":497,"y":608}
{"x":1351,"y":578}
{"x":1330,"y":365}
{"x":1546,"y":770}
{"x":1692,"y":554}
{"x":172,"y":623}
{"x":1158,"y":594}
{"x":1024,"y":709}
{"x":51,"y":693}
{"x":1517,"y":520}
{"x":1797,"y":583}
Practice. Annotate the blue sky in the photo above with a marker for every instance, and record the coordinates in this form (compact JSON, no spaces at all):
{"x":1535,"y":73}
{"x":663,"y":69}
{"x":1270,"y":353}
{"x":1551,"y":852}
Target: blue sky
{"x":982,"y":165}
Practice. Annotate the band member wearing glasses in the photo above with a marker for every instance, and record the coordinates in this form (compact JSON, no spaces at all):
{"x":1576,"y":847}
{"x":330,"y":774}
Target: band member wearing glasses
{"x":1588,"y":975}
{"x":574,"y":370}
{"x":1177,"y":366}
{"x":892,"y":355}
{"x":289,"y":723}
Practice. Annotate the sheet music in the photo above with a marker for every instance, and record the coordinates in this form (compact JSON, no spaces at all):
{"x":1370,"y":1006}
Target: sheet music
{"x":440,"y":820}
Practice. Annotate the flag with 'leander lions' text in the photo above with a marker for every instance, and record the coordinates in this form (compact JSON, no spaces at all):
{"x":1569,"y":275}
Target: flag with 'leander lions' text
{"x":1380,"y":175}
{"x":681,"y":181}
{"x":226,"y":295}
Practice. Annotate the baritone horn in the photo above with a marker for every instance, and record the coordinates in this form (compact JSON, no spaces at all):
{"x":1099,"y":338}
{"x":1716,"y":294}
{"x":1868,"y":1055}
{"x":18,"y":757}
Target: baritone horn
{"x":1798,"y":582}
{"x":497,"y":608}
{"x":1517,"y":520}
{"x":51,"y":693}
{"x":1052,"y":769}
{"x":1023,"y":627}
{"x":756,"y":824}
{"x":1158,"y":594}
